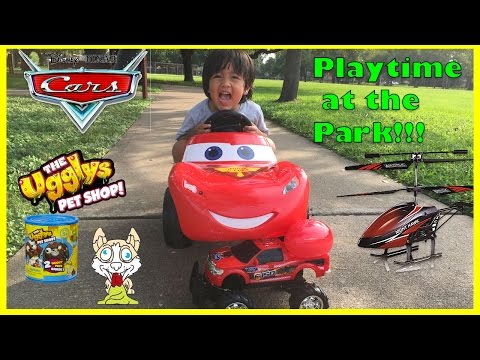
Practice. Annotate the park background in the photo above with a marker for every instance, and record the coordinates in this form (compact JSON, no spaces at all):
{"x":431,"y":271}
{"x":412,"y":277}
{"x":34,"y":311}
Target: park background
{"x":446,"y":108}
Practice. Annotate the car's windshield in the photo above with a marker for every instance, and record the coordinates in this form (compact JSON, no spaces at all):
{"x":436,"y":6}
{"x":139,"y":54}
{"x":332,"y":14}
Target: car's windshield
{"x":245,"y":251}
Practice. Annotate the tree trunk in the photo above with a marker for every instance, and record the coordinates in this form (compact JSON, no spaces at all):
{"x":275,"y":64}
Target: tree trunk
{"x":469,"y":83}
{"x":187,"y":64}
{"x":90,"y":62}
{"x":23,"y":64}
{"x":10,"y":63}
{"x":291,"y":76}
{"x":43,"y":58}
{"x":124,"y":57}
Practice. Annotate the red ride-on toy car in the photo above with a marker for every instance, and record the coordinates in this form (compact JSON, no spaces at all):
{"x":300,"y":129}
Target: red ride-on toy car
{"x":230,"y":187}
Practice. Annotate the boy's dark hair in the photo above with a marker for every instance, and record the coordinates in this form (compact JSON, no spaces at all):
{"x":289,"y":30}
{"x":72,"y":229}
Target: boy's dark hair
{"x":218,"y":60}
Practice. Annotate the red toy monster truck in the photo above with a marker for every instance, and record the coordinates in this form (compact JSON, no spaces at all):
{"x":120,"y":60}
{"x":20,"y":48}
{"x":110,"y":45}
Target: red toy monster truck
{"x":272,"y":262}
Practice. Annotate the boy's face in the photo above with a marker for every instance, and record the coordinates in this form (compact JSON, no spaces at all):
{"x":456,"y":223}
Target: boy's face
{"x":226,"y":89}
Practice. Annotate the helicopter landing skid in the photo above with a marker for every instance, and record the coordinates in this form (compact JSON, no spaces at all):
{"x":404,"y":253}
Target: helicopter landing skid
{"x":409,"y":264}
{"x":386,"y":254}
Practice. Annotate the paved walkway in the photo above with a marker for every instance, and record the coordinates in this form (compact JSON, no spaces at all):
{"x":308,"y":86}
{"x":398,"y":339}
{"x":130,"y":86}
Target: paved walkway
{"x":142,"y":159}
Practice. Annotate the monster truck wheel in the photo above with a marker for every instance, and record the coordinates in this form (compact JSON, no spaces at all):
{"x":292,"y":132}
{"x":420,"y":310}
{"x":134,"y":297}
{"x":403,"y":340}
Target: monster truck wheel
{"x":299,"y":279}
{"x":172,"y":232}
{"x":233,"y":282}
{"x":233,"y":300}
{"x":309,"y":296}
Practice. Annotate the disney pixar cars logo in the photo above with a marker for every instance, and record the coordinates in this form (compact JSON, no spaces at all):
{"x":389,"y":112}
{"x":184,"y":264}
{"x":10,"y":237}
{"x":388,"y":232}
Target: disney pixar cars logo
{"x":83,"y":93}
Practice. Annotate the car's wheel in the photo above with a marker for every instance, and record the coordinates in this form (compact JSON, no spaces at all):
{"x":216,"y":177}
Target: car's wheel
{"x":195,"y":286}
{"x":172,"y":233}
{"x":233,"y":300}
{"x":309,"y":296}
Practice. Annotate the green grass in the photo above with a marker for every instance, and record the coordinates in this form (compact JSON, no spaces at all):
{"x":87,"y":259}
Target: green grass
{"x":158,"y":79}
{"x":16,"y":81}
{"x":37,"y":133}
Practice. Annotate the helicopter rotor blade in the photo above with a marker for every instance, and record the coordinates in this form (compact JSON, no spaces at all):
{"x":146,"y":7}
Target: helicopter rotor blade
{"x":456,"y":152}
{"x":448,"y":189}
{"x":373,"y":193}
{"x":440,"y":190}
{"x":391,"y":165}
{"x":398,"y":165}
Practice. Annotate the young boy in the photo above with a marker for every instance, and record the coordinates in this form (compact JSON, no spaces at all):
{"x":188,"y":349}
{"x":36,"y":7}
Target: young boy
{"x":227,"y":80}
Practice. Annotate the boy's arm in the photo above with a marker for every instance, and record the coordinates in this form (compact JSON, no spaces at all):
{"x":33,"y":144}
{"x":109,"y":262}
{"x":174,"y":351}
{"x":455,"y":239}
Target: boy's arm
{"x":178,"y":148}
{"x":199,"y":129}
{"x":254,"y":129}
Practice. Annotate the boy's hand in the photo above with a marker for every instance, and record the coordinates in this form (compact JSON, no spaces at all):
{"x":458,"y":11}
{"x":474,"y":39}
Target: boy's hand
{"x":201,"y":129}
{"x":253,"y":129}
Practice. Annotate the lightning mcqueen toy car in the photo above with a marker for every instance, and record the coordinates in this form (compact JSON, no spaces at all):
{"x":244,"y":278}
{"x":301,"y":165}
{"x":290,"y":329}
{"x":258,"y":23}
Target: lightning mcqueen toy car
{"x":230,"y":187}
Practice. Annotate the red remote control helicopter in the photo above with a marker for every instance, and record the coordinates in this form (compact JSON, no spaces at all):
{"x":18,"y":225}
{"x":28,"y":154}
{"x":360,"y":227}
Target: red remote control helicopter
{"x":408,"y":223}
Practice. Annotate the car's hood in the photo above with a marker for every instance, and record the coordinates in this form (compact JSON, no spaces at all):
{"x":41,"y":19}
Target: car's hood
{"x":223,"y":258}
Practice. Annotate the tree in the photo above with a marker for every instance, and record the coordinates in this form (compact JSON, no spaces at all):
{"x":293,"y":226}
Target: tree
{"x":465,"y":58}
{"x":124,"y":57}
{"x":268,"y":67}
{"x":23,"y":64}
{"x":257,"y":53}
{"x":96,"y":64}
{"x":187,"y":64}
{"x":165,"y":56}
{"x":291,"y":76}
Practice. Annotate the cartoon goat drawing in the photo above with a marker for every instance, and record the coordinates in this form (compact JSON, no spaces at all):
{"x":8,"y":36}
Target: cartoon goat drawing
{"x":116,"y":260}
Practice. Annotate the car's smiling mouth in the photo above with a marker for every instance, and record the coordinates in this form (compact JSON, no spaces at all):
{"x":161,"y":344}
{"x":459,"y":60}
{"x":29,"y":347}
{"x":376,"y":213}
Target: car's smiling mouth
{"x":245,"y":223}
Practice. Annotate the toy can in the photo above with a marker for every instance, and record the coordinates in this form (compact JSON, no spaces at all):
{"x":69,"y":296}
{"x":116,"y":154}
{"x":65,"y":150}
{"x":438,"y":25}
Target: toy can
{"x":51,"y":247}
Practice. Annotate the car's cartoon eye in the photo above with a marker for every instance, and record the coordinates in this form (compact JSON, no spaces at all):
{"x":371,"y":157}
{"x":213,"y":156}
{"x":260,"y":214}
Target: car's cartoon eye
{"x":225,"y":152}
{"x":245,"y":152}
{"x":213,"y":153}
